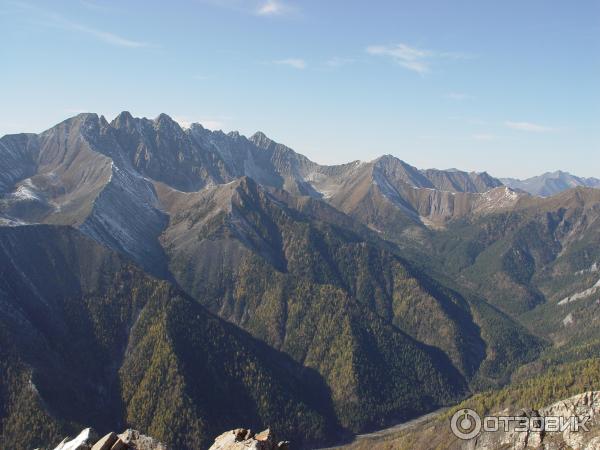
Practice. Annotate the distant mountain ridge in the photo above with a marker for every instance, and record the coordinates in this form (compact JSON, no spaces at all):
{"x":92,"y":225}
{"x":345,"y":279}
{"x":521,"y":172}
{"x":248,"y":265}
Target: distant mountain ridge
{"x":99,"y":160}
{"x":551,"y":183}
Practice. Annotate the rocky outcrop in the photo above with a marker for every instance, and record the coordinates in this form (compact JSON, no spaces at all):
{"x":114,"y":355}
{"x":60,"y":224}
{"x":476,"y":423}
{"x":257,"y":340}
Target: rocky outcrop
{"x":128,"y":440}
{"x":133,"y":439}
{"x":83,"y":441}
{"x":435,"y":431}
{"x":242,"y":439}
{"x":580,"y":406}
{"x":238,"y":439}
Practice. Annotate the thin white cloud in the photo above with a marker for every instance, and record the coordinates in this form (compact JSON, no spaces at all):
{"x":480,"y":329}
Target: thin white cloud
{"x":528,"y":126}
{"x":93,"y":5}
{"x":270,"y":8}
{"x":337,"y":61}
{"x":295,"y":63}
{"x":56,"y":20}
{"x":457,"y":96}
{"x":265,"y":8}
{"x":484,"y":137}
{"x":105,"y":36}
{"x":408,"y":57}
{"x":412,"y":58}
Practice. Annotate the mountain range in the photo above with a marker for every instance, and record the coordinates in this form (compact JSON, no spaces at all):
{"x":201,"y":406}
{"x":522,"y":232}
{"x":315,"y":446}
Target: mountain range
{"x":551,"y":183}
{"x":185,"y":282}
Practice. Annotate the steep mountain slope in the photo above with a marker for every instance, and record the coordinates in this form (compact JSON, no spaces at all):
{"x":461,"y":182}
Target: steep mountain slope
{"x":527,"y":255}
{"x":515,"y":250}
{"x":396,"y":208}
{"x":76,"y":176}
{"x":551,"y":183}
{"x":88,"y":339}
{"x":458,"y":181}
{"x":324,"y":295}
{"x":258,"y":256}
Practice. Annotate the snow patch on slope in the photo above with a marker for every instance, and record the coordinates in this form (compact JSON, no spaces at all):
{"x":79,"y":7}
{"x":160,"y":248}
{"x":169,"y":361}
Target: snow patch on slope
{"x":26,"y":192}
{"x":6,"y":221}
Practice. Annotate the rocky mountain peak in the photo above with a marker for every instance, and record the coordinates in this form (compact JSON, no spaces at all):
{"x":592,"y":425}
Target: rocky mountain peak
{"x":197,"y":126}
{"x":395,"y":168}
{"x":243,"y":439}
{"x":84,"y":122}
{"x":261,"y":140}
{"x":165,"y":122}
{"x":387,"y":159}
{"x":557,"y":173}
{"x":391,"y":162}
{"x":123,"y":120}
{"x":128,"y":440}
{"x":85,"y":116}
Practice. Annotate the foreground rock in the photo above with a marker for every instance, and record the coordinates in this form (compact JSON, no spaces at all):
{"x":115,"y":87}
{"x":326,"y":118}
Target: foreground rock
{"x":242,"y":439}
{"x":84,"y":440}
{"x":128,"y":440}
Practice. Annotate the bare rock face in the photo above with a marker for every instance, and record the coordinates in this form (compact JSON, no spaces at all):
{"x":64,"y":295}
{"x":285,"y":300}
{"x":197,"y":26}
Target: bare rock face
{"x":581,"y":406}
{"x":133,"y":439}
{"x":128,"y":440}
{"x":242,"y":439}
{"x":106,"y":443}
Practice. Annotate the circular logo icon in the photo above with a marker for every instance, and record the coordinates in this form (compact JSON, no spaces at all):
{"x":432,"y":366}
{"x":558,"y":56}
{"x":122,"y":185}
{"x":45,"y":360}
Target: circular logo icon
{"x":465,"y":424}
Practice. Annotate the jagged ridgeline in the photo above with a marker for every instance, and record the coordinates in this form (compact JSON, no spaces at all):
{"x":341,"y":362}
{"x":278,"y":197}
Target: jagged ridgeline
{"x":188,"y":282}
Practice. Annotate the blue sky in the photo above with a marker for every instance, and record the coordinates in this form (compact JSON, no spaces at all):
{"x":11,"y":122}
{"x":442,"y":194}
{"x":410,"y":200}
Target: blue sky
{"x":511,"y":87}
